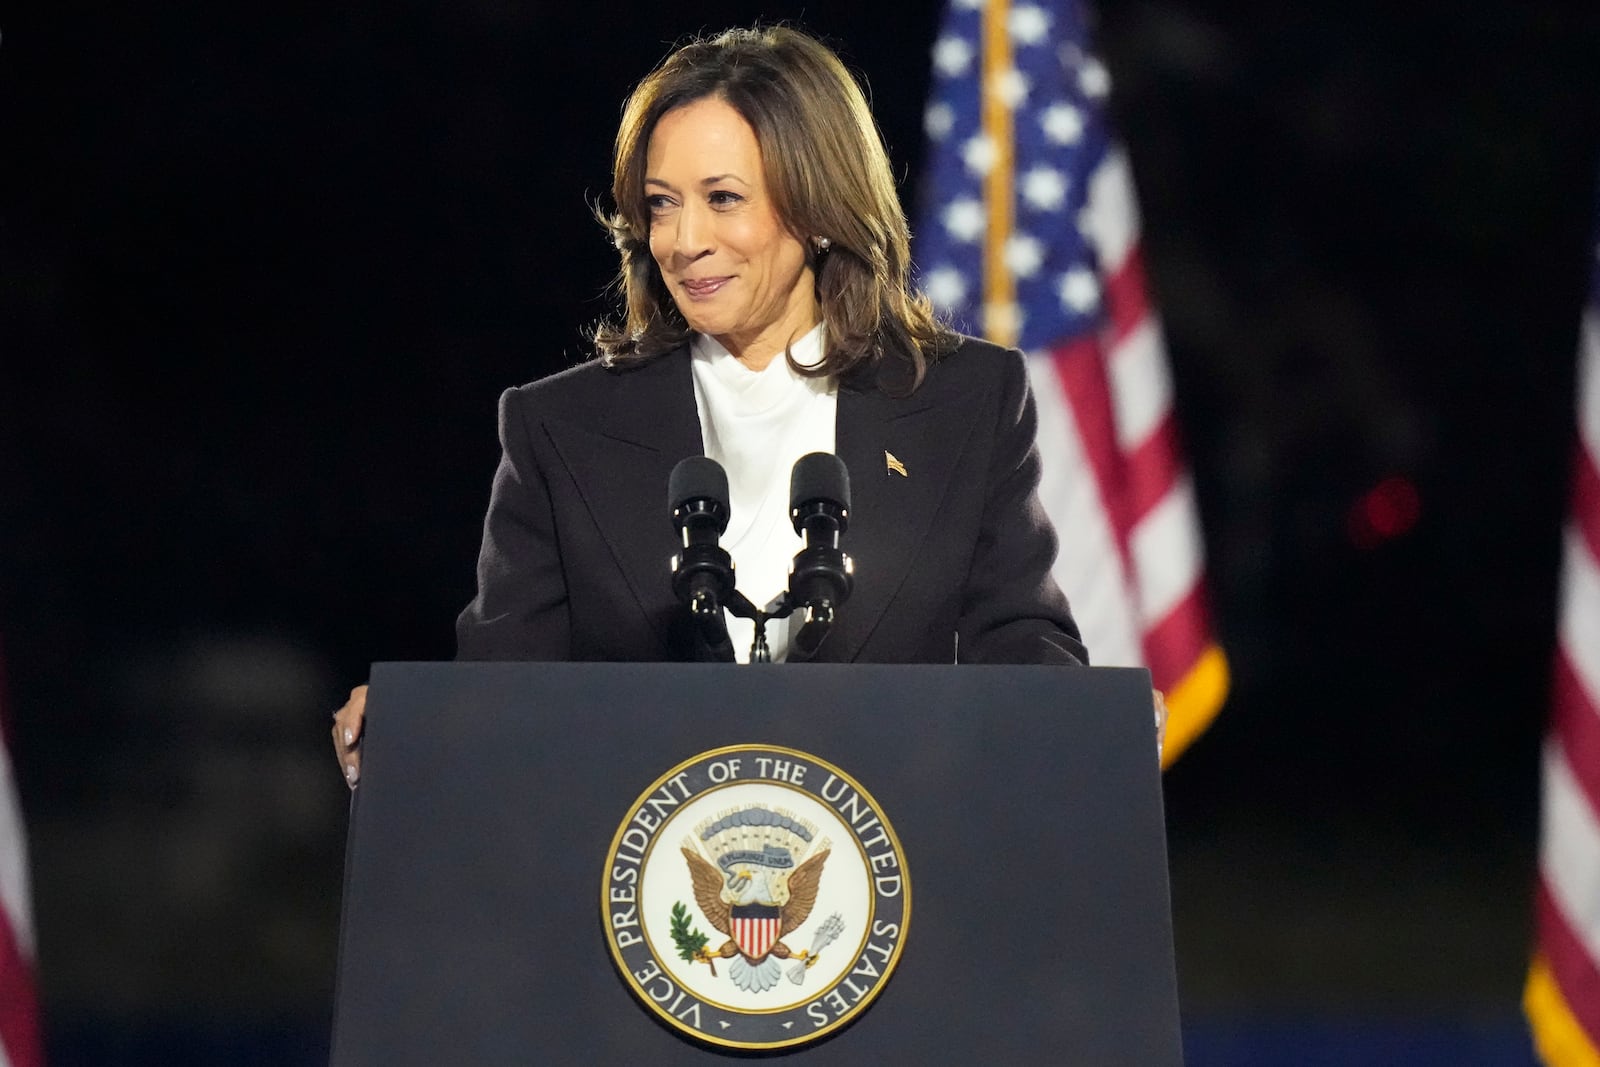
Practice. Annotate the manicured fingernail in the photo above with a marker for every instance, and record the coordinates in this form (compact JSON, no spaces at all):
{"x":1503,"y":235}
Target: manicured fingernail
{"x":349,"y":736}
{"x":350,"y":773}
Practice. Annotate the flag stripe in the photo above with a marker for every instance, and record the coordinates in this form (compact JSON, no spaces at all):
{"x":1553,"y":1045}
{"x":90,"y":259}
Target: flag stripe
{"x":1579,"y":621}
{"x":1141,"y":388}
{"x":20,"y":1042}
{"x":19,"y":1014}
{"x":20,"y":1032}
{"x":1127,"y":305}
{"x":755,"y":937}
{"x":1575,"y":721}
{"x":15,"y":896}
{"x":1166,"y":552}
{"x":1586,"y":500}
{"x":1569,"y":855}
{"x":1153,"y":469}
{"x":1083,"y":378}
{"x":1175,"y":644}
{"x":1569,"y":867}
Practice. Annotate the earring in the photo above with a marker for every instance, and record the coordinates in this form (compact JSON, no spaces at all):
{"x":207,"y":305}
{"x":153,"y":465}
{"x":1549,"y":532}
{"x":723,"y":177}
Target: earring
{"x":822,"y":243}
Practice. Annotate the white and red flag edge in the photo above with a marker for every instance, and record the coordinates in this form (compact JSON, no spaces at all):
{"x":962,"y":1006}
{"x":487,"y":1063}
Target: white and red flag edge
{"x":21,"y":1043}
{"x":1562,"y":995}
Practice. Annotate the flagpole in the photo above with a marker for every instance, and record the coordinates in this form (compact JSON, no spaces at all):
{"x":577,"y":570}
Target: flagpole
{"x":1000,"y":318}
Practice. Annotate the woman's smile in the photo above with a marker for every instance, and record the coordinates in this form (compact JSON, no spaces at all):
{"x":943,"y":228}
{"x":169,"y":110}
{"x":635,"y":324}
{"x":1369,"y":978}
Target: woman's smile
{"x":704,"y":288}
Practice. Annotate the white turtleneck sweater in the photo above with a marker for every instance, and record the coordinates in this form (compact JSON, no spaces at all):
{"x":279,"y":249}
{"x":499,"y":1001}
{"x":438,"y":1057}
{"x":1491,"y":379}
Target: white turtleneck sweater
{"x":756,"y":424}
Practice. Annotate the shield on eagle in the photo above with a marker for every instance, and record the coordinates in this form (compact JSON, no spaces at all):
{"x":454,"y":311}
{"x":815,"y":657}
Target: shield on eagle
{"x":755,"y":928}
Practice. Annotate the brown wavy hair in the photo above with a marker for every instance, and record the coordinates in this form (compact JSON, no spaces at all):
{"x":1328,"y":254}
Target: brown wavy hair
{"x":828,"y":174}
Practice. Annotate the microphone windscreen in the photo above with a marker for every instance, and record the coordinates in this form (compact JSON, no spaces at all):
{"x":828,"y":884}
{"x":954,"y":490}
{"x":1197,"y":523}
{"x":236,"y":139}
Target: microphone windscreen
{"x":697,"y":478}
{"x":819,"y":476}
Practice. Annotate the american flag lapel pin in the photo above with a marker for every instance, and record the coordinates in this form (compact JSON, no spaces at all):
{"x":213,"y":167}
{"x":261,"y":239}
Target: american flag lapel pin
{"x":893,"y":464}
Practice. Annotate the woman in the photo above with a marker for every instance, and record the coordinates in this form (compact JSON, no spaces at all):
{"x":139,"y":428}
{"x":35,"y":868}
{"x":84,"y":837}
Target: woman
{"x":765,"y":263}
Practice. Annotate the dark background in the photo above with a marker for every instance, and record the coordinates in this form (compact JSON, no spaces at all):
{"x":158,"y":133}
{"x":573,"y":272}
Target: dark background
{"x":265,"y":273}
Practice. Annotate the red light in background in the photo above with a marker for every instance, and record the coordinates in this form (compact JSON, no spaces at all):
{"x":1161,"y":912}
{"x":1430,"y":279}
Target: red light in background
{"x":1386,"y":511}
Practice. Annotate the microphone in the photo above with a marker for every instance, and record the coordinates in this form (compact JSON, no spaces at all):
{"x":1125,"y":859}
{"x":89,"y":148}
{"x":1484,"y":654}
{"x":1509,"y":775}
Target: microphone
{"x":821,"y":576}
{"x":702,"y":574}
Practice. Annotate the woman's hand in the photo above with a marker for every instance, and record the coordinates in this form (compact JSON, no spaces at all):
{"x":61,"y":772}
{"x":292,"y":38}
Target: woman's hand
{"x":1161,"y":718}
{"x":347,"y":724}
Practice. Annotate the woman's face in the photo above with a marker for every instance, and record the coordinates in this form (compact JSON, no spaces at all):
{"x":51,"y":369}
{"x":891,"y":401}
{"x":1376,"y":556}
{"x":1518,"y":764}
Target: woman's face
{"x":733,"y":269}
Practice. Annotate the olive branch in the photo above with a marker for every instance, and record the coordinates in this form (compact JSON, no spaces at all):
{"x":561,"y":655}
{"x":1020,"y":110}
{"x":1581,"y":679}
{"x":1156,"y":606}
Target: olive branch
{"x":691,"y":943}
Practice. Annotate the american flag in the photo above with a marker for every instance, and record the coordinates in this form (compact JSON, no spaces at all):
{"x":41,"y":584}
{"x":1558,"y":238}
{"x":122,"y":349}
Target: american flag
{"x":1029,"y":235}
{"x":20,"y":1042}
{"x":1562,"y":996}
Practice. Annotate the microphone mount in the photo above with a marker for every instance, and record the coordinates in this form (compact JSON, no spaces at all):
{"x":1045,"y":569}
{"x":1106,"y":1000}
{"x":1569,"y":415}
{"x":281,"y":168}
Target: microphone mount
{"x":821,"y":575}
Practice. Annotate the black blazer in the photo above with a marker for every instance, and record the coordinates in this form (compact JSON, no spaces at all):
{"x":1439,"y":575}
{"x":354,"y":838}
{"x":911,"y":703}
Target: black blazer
{"x":952,"y":559}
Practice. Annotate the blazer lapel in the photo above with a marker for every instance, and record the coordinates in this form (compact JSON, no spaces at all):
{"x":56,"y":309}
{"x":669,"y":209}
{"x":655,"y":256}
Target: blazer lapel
{"x":892,"y":504}
{"x":621,"y":457}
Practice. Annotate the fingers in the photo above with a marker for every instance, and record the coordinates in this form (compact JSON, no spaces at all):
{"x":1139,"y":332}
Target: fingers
{"x":348,"y":723}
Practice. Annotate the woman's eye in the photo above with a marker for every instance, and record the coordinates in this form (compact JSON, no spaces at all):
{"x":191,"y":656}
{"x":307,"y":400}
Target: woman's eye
{"x":724,"y":198}
{"x":657,"y":204}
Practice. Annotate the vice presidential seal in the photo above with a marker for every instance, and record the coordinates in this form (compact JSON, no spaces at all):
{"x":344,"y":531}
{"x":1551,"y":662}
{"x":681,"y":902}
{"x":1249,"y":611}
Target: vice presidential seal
{"x":756,"y":897}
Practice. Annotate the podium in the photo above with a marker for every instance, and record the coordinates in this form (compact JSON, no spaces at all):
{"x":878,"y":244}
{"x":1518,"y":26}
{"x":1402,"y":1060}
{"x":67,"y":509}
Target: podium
{"x":1025,"y":803}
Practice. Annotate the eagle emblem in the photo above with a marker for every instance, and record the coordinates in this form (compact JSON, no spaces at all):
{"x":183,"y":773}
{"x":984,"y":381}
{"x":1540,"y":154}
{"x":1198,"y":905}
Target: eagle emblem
{"x":755,"y":872}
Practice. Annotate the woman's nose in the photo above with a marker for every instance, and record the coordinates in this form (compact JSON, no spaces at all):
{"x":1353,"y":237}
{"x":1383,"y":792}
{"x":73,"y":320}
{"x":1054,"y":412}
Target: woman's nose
{"x":694,"y":237}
